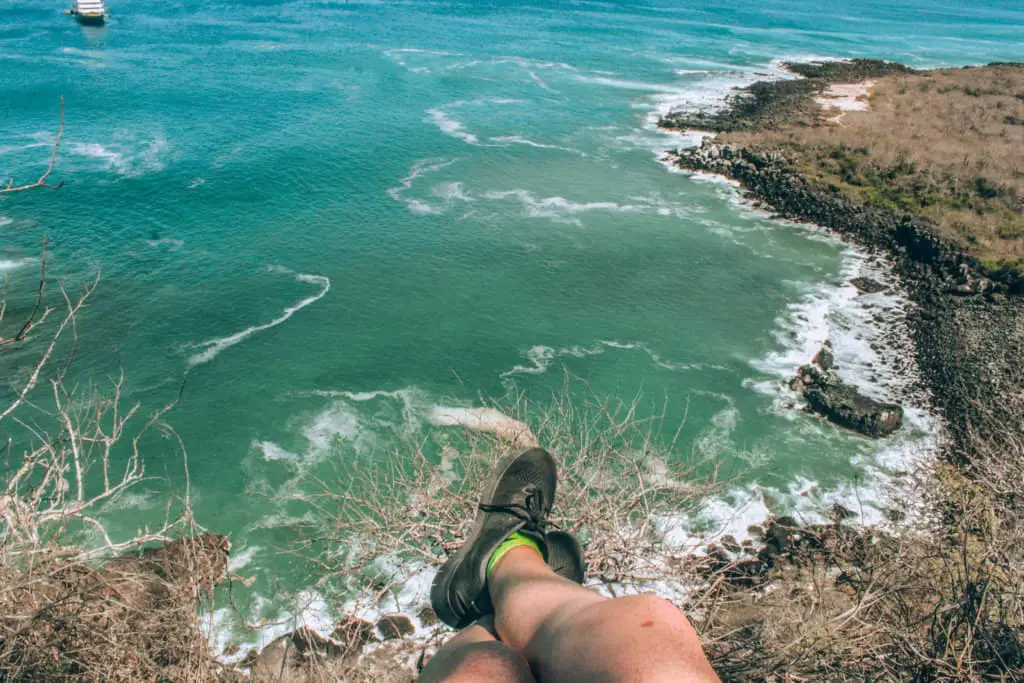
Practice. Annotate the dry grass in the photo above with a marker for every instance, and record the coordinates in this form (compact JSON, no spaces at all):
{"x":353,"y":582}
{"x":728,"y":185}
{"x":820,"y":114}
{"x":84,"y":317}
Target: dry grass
{"x":615,"y":481}
{"x":128,"y":619}
{"x":945,"y":144}
{"x":934,"y":599}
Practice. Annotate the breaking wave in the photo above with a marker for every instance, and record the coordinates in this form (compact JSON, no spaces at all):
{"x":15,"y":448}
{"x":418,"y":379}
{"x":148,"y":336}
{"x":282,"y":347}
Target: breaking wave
{"x":212,"y":347}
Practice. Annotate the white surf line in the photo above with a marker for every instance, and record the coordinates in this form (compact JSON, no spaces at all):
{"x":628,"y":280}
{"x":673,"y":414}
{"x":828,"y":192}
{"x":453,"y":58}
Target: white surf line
{"x":11,"y":264}
{"x":452,"y":127}
{"x":212,"y":347}
{"x":420,"y":168}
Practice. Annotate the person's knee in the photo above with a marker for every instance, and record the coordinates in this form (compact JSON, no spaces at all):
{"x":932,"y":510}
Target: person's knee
{"x":651,"y":611}
{"x":641,"y":636}
{"x":493,"y":661}
{"x":633,"y":613}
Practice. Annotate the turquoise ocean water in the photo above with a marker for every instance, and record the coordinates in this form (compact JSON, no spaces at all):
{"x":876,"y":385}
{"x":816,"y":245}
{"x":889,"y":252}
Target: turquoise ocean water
{"x":338,"y":215}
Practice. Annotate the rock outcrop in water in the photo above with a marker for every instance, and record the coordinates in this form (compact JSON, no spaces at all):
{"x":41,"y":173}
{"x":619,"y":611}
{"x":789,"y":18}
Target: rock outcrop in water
{"x":841,"y":403}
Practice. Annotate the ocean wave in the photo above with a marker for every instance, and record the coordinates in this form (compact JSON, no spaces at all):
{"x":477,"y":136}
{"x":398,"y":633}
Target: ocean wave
{"x":524,"y":62}
{"x":11,"y":264}
{"x":559,"y":209}
{"x":447,"y":123}
{"x":874,"y":351}
{"x":275,"y":453}
{"x":400,"y":56}
{"x":418,"y":170}
{"x":451,"y":126}
{"x":529,"y":67}
{"x":212,"y":347}
{"x":452,"y":192}
{"x":169,"y":242}
{"x":868,"y":332}
{"x":39,"y":144}
{"x":540,"y":357}
{"x":503,"y":140}
{"x":129,"y":158}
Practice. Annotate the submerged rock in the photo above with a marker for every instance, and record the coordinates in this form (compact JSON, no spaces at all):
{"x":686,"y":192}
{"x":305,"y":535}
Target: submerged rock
{"x":866,"y":285}
{"x":841,"y":403}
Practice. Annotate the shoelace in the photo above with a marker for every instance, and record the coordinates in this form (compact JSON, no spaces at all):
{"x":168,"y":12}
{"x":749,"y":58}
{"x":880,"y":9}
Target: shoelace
{"x":533,"y":512}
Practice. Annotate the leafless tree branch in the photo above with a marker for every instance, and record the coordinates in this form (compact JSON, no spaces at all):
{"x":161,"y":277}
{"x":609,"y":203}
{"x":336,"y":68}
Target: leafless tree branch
{"x":11,"y":188}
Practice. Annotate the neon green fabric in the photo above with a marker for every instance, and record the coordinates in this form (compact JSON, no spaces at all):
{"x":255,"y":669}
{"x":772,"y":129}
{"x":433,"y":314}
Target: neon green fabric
{"x":515,"y":540}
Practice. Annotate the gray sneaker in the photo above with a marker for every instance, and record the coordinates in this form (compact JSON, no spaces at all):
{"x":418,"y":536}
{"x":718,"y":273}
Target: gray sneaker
{"x":565,"y":556}
{"x":519,"y":498}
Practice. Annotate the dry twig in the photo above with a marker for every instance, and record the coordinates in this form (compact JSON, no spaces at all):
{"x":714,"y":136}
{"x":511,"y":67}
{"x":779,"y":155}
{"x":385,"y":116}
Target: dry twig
{"x":41,"y":182}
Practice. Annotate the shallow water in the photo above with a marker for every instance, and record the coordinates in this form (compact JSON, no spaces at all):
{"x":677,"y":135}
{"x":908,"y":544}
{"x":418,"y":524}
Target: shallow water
{"x":336,"y":216}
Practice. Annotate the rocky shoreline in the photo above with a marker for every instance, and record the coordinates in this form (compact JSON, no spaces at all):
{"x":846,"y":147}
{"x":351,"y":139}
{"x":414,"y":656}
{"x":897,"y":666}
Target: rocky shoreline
{"x":968,"y":328}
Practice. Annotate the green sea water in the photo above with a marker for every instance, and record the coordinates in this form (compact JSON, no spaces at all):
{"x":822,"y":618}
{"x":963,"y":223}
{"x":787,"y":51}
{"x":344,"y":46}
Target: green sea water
{"x":335,"y":217}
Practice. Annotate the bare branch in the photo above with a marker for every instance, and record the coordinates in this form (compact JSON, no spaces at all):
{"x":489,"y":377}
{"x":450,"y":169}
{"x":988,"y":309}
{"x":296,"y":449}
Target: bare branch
{"x":10,"y":188}
{"x":32,"y":321}
{"x":73,"y":309}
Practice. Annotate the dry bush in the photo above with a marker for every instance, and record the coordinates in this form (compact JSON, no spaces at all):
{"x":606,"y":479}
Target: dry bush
{"x":936,"y":598}
{"x":616,"y":480}
{"x":389,"y":515}
{"x":119,"y":611}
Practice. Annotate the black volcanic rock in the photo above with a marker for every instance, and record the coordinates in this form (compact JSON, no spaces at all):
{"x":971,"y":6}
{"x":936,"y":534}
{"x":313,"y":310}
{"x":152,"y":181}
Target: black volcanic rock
{"x":841,"y":403}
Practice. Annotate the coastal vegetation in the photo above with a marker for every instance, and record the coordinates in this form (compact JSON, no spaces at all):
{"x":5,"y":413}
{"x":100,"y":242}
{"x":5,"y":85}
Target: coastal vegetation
{"x":942,"y":145}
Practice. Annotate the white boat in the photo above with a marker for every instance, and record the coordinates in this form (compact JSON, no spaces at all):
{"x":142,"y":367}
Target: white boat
{"x":90,"y":12}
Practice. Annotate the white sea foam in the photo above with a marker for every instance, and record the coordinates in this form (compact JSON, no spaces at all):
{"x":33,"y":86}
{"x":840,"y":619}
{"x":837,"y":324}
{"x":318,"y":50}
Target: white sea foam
{"x":451,"y":126}
{"x":11,"y":264}
{"x":402,"y":55}
{"x":212,"y":347}
{"x":560,"y":209}
{"x":5,"y":221}
{"x":128,"y":157}
{"x":337,"y":424}
{"x":868,"y":332}
{"x":308,"y":608}
{"x":451,"y":192}
{"x":273,"y":452}
{"x":540,"y":357}
{"x":540,"y":82}
{"x":169,"y":242}
{"x":419,"y":169}
{"x":502,"y":140}
{"x":241,"y":558}
{"x":344,"y":423}
{"x":12,"y":149}
{"x":447,"y":123}
{"x":442,"y":118}
{"x":412,"y":401}
{"x":91,"y":59}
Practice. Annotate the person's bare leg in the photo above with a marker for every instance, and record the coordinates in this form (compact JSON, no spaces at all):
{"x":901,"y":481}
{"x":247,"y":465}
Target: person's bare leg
{"x":475,"y":655}
{"x":569,"y":633}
